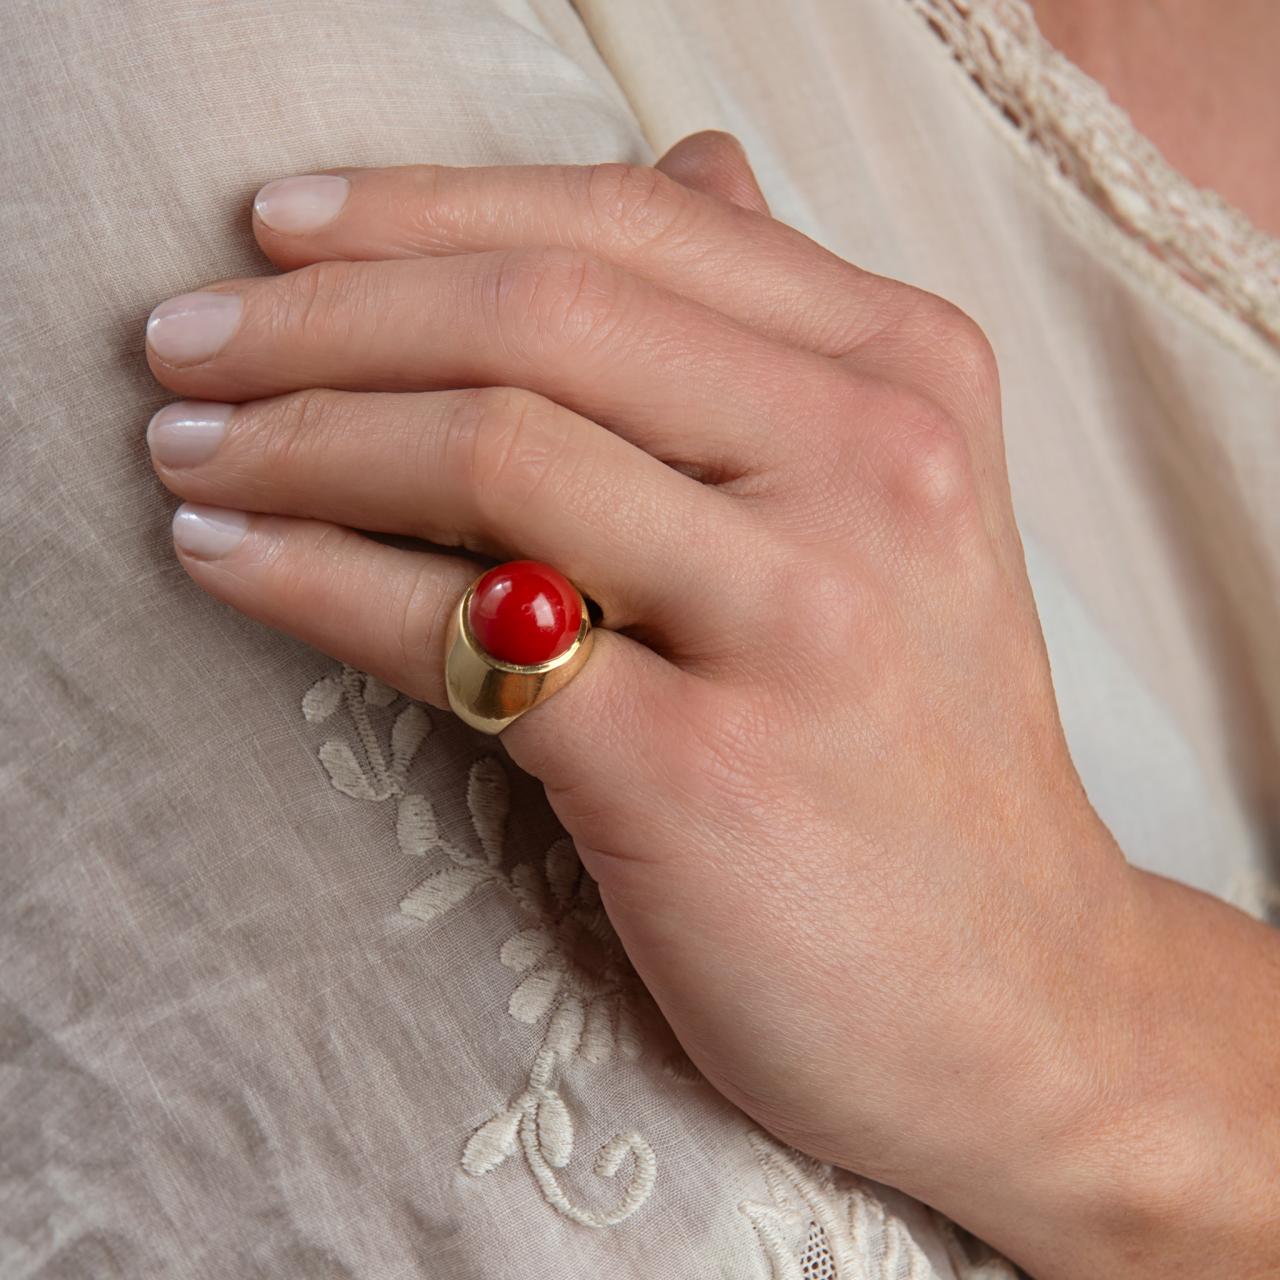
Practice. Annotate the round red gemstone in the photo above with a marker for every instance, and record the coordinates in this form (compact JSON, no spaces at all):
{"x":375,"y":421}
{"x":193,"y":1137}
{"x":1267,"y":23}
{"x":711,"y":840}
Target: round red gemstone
{"x":524,"y":612}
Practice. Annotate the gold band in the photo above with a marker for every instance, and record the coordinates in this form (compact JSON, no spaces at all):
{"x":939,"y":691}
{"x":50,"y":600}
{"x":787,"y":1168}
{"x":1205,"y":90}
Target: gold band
{"x":488,"y":693}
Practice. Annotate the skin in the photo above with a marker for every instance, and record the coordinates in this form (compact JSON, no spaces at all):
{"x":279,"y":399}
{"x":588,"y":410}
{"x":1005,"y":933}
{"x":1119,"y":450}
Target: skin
{"x":814,"y":763}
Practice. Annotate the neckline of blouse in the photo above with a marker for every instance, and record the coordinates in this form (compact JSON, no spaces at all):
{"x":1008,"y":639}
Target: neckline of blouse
{"x":1069,"y":122}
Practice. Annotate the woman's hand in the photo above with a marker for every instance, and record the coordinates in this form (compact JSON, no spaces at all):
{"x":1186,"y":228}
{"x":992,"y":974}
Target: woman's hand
{"x":814,"y":762}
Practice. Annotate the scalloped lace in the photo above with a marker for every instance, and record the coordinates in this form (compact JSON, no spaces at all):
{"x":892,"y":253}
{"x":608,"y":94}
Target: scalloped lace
{"x":1080,"y":134}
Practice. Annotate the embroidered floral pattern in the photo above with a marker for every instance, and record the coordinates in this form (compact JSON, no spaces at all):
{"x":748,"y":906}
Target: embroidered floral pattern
{"x":823,"y":1223}
{"x":575,"y":984}
{"x":819,"y":1228}
{"x":571,"y":962}
{"x":578,"y":991}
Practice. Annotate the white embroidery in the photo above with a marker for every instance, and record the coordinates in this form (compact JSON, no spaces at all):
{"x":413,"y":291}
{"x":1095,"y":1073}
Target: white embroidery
{"x":575,"y":982}
{"x":824,"y":1223}
{"x":576,"y":985}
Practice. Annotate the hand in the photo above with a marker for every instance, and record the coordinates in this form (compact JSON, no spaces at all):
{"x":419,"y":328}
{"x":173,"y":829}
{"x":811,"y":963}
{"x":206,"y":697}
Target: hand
{"x":814,"y":762}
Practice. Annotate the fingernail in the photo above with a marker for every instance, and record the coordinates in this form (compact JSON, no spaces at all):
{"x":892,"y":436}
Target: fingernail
{"x":299,"y":205}
{"x":208,"y":532}
{"x":193,"y":326}
{"x":187,"y":432}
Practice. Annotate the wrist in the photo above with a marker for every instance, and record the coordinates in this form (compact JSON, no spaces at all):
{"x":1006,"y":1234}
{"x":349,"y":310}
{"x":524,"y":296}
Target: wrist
{"x":1191,"y":1148}
{"x":1144,"y":1142}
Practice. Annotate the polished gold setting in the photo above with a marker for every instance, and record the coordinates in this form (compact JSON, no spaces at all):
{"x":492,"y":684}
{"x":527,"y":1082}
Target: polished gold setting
{"x":488,"y":693}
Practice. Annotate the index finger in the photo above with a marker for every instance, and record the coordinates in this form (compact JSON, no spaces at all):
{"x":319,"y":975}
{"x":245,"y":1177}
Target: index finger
{"x":742,"y":263}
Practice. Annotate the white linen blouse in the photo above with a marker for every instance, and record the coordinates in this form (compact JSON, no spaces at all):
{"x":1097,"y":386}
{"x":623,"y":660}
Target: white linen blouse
{"x":300,"y":978}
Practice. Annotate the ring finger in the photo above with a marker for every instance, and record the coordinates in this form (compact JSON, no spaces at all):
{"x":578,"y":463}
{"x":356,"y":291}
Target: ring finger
{"x":385,"y":610}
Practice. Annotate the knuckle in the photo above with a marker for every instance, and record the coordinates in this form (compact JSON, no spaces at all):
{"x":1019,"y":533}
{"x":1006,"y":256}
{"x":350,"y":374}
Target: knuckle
{"x":438,"y":212}
{"x":507,"y":443}
{"x":299,"y":297}
{"x":555,"y":295}
{"x":884,"y":450}
{"x":323,"y":297}
{"x":964,"y":348}
{"x":308,"y":568}
{"x":927,"y":469}
{"x":637,"y":202}
{"x":298,"y":426}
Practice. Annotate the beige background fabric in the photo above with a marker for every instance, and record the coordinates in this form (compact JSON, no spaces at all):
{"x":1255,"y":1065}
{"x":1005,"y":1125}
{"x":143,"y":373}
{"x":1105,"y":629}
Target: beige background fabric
{"x":225,"y":1050}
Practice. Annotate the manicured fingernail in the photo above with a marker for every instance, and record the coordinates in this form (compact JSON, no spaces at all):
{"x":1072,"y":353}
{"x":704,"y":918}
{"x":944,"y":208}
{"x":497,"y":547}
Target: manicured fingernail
{"x":187,"y":432}
{"x":299,"y":205}
{"x":193,"y":326}
{"x":208,"y":532}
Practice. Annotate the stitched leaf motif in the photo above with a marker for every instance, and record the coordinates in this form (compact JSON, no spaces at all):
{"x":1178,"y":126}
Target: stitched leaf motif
{"x":445,"y":889}
{"x":378,"y":694}
{"x":492,"y":1142}
{"x":525,"y":948}
{"x":533,"y":997}
{"x":555,"y":1131}
{"x":565,"y":1032}
{"x":407,"y":733}
{"x":321,"y":700}
{"x":416,"y":831}
{"x":345,"y":771}
{"x":597,"y":1034}
{"x":563,"y":870}
{"x":488,"y":798}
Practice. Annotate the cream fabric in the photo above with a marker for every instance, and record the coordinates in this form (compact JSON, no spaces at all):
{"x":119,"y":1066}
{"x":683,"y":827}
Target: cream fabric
{"x":225,"y":1049}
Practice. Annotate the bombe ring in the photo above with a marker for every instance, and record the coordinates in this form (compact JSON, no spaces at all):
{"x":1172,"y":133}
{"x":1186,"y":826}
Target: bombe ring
{"x":520,"y":633}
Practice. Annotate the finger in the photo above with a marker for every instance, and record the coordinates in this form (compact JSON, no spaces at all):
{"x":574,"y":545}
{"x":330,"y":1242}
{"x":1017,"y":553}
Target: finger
{"x":679,"y":380}
{"x":502,"y":472}
{"x":731,"y":258}
{"x":716,"y":165}
{"x":385,"y":610}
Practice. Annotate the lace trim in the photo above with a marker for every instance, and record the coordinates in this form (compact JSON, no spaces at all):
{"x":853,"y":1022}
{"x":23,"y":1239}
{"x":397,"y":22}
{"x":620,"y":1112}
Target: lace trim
{"x":1080,"y":134}
{"x":822,"y":1223}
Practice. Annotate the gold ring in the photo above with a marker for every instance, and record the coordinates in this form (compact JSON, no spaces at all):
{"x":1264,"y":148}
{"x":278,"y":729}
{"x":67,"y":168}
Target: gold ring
{"x":520,"y":633}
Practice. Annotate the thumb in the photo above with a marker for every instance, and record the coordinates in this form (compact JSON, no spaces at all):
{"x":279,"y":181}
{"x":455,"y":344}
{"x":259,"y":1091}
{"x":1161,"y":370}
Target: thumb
{"x":715,"y":164}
